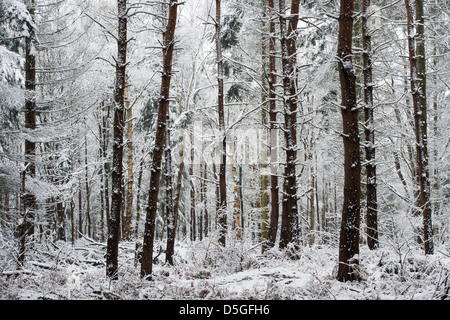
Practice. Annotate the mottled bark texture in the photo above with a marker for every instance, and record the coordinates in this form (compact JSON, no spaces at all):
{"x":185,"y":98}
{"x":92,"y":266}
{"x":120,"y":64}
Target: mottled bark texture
{"x":171,"y":217}
{"x":155,"y":174}
{"x":349,"y":234}
{"x":130,"y":167}
{"x":423,"y":202}
{"x":288,"y":30}
{"x":26,"y":228}
{"x":274,"y":193}
{"x":119,"y":123}
{"x":369,"y":130}
{"x":222,"y":217}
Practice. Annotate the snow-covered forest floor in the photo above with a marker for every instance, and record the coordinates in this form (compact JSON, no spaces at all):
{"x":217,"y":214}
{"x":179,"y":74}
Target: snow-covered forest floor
{"x":206,"y":271}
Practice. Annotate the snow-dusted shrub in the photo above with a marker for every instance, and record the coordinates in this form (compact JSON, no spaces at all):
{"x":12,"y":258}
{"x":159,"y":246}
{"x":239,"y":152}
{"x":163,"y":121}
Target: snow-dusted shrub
{"x":202,"y":259}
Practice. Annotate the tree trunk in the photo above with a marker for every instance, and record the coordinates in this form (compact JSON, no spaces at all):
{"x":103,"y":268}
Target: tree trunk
{"x":149,"y":232}
{"x":205,"y":219}
{"x":312,"y":204}
{"x":369,"y":129}
{"x":202,"y":203}
{"x":130,"y":175}
{"x":138,"y":198}
{"x":29,"y":199}
{"x":171,"y":223}
{"x":102,"y":183}
{"x":60,"y":210}
{"x":274,"y":195}
{"x":423,"y":201}
{"x":241,"y":200}
{"x":349,"y":234}
{"x":289,"y":60}
{"x":119,"y":123}
{"x":102,"y":204}
{"x":437,"y":183}
{"x":72,"y":221}
{"x":106,"y":165}
{"x":88,"y":192}
{"x":422,"y":73}
{"x":222,"y":215}
{"x":264,"y":165}
{"x":171,"y":232}
{"x":192,"y":185}
{"x":80,"y":200}
{"x":236,"y":207}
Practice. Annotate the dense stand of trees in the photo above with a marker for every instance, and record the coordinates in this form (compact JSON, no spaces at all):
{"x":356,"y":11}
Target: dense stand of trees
{"x":222,"y":121}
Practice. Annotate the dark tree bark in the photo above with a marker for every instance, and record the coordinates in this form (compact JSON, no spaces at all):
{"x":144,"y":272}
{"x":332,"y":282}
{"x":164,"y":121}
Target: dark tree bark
{"x":289,"y":60}
{"x":80,"y":200}
{"x":423,"y":201}
{"x":155,"y":174}
{"x":60,"y":210}
{"x":87,"y":187}
{"x":422,"y":73}
{"x":171,"y":222}
{"x":274,"y":194}
{"x":349,"y":234}
{"x":204,"y":195}
{"x":172,"y":231}
{"x":422,"y":86}
{"x":29,"y":199}
{"x":369,"y":129}
{"x":202,"y":210}
{"x":223,"y":156}
{"x":105,"y":169}
{"x":192,"y":186}
{"x":72,"y":221}
{"x":265,"y":79}
{"x":119,"y":123}
{"x":138,"y":198}
{"x":130,"y":167}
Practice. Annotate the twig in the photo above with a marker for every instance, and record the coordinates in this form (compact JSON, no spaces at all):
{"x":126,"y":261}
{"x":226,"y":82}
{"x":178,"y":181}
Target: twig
{"x":91,"y":240}
{"x":17,"y":272}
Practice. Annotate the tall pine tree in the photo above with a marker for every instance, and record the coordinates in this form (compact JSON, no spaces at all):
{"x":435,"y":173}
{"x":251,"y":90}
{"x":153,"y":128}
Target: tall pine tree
{"x":349,"y":234}
{"x":119,"y":124}
{"x":160,"y":141}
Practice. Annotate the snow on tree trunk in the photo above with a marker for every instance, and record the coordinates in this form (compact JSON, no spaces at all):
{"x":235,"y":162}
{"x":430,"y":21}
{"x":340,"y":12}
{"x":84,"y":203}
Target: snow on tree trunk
{"x":119,"y":123}
{"x":264,"y":152}
{"x":172,"y":229}
{"x":222,"y":217}
{"x":192,"y":185}
{"x":372,"y":205}
{"x":29,"y":199}
{"x":236,"y":207}
{"x":275,"y":211}
{"x":349,"y":234}
{"x":423,"y":200}
{"x":289,"y":60}
{"x":130,"y":171}
{"x":171,"y":218}
{"x":149,"y":231}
